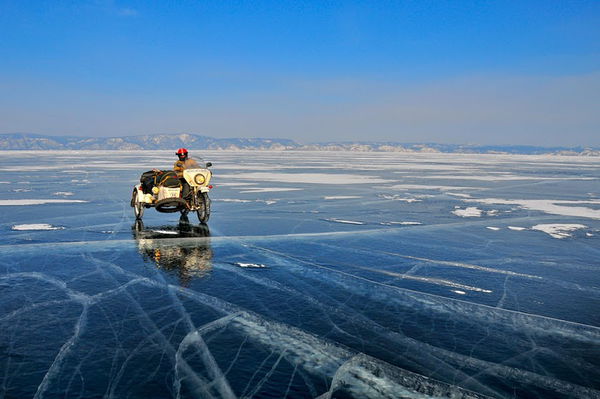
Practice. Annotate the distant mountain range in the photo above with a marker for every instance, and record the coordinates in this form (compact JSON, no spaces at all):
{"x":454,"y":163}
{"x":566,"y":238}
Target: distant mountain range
{"x":28,"y":141}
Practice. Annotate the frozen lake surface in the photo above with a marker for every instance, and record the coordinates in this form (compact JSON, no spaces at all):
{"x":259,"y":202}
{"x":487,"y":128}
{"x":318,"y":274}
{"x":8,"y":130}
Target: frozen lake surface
{"x":319,"y":275}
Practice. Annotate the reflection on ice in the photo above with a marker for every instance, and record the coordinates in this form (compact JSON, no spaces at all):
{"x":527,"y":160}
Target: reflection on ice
{"x":189,"y":260}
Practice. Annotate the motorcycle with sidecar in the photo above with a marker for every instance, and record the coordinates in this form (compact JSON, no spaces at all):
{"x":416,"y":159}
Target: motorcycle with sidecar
{"x":167,"y":193}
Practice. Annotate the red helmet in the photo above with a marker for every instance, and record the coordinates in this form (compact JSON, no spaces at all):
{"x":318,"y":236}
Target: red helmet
{"x":181,"y":151}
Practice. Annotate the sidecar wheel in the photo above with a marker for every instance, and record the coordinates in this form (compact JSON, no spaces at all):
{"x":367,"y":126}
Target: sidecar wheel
{"x":138,"y":207}
{"x":203,"y":210}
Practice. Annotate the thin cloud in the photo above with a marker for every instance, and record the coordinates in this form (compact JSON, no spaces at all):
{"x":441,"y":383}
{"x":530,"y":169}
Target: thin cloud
{"x":127,"y":12}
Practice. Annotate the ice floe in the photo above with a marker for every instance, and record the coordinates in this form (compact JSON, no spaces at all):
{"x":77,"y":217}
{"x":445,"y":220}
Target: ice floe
{"x":558,"y":230}
{"x":37,"y":201}
{"x":493,"y":228}
{"x":36,"y":226}
{"x":468,"y":212}
{"x":516,"y":228}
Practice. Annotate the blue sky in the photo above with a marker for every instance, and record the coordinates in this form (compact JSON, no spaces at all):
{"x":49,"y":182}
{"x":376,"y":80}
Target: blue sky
{"x":481,"y":72}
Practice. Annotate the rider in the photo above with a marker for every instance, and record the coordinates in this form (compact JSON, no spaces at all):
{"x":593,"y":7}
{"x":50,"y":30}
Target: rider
{"x":184,"y":162}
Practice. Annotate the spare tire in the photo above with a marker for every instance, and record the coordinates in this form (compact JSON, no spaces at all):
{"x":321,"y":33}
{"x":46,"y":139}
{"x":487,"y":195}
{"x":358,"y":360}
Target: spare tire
{"x":170,"y":205}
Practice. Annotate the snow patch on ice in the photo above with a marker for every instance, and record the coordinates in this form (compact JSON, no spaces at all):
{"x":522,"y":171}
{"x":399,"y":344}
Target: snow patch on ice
{"x":36,"y":201}
{"x":461,"y":195}
{"x":558,"y":230}
{"x":36,"y":226}
{"x":401,"y":223}
{"x":234,"y":184}
{"x":343,"y":221}
{"x":468,"y":212}
{"x":338,"y":197}
{"x":396,"y":197}
{"x":250,"y":265}
{"x":268,"y":189}
{"x":231,"y":200}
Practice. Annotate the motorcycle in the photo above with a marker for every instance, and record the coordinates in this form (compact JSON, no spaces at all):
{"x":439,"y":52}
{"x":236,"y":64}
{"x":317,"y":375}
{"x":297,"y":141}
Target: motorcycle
{"x":168,"y":196}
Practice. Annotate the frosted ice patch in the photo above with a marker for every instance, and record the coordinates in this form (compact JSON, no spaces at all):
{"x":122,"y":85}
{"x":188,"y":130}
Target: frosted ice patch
{"x":493,"y":228}
{"x":268,"y":202}
{"x":231,"y":200}
{"x":36,"y":226}
{"x":235,"y":184}
{"x":268,"y":189}
{"x":308,"y":178}
{"x":427,"y":187}
{"x":468,"y":212}
{"x":63,"y":193}
{"x":396,"y":197}
{"x":516,"y":228}
{"x":558,"y":230}
{"x":37,"y":202}
{"x":343,"y":221}
{"x":338,"y":197}
{"x":401,"y":223}
{"x":555,"y":207}
{"x":250,"y":265}
{"x":496,"y":177}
